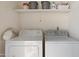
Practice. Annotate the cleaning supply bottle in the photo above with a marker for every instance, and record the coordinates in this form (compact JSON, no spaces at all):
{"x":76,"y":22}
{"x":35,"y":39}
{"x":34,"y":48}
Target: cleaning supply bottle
{"x":57,"y":28}
{"x":53,"y":5}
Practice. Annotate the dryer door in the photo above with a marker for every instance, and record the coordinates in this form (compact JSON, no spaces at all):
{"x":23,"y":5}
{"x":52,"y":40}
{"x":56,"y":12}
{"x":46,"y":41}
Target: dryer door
{"x":23,"y":51}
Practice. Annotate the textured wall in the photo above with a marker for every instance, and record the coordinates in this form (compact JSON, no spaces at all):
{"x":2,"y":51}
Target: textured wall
{"x":44,"y":20}
{"x":8,"y":18}
{"x":74,"y":20}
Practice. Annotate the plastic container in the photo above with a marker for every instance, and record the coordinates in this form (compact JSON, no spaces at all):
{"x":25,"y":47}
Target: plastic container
{"x":45,"y":4}
{"x":33,"y":5}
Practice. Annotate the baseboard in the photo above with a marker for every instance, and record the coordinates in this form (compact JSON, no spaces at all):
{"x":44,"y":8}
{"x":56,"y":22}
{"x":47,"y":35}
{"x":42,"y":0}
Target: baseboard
{"x":2,"y":55}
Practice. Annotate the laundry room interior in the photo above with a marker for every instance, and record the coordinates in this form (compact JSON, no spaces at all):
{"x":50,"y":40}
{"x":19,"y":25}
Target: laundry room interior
{"x":56,"y":25}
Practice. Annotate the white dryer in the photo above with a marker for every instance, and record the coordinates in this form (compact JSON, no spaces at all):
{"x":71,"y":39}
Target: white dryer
{"x":28,"y":44}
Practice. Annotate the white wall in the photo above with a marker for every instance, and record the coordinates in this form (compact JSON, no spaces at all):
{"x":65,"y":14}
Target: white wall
{"x":44,"y":20}
{"x":8,"y":18}
{"x":74,"y":20}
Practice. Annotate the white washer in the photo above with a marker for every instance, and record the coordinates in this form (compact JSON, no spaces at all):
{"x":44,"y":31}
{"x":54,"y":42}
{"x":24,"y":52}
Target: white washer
{"x":28,"y":44}
{"x":61,"y":46}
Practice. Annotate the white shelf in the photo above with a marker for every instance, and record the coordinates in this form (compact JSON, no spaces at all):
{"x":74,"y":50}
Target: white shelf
{"x":42,"y":10}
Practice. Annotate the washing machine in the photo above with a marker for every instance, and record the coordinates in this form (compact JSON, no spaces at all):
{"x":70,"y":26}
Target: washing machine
{"x":60,"y":44}
{"x":27,"y":44}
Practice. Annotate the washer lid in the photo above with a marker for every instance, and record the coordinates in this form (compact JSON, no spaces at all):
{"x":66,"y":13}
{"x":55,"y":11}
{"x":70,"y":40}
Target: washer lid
{"x":27,"y":39}
{"x":30,"y":33}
